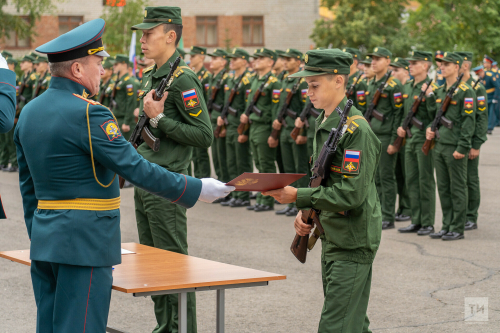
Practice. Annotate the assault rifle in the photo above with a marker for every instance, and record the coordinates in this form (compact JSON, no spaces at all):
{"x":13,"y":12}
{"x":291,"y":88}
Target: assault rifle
{"x":284,"y":111}
{"x":321,"y":171}
{"x":308,"y":110}
{"x":440,"y":118}
{"x":371,"y":112}
{"x":141,"y":131}
{"x":211,"y":105}
{"x":350,"y":91}
{"x":411,"y":120}
{"x":251,"y":107}
{"x":225,"y":111}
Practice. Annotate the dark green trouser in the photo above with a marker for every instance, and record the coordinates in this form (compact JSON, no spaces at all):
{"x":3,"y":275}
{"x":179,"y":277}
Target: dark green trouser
{"x":451,"y":177}
{"x":201,"y":161}
{"x":163,"y":225}
{"x":219,"y":157}
{"x":11,"y":146}
{"x":421,"y":184}
{"x":385,"y":180}
{"x":346,"y":286}
{"x":295,"y":158}
{"x":264,"y":157}
{"x":4,"y":149}
{"x":310,"y":152}
{"x":474,"y":193}
{"x":404,"y":199}
{"x":239,"y":159}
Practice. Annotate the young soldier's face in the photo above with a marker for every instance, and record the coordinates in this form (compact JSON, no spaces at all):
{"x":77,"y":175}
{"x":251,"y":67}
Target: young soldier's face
{"x":323,"y":89}
{"x":237,"y":63}
{"x":379,"y":64}
{"x":217,"y":63}
{"x":154,"y":42}
{"x":12,"y":67}
{"x":107,"y":73}
{"x":417,"y":68}
{"x":262,"y":63}
{"x":25,"y":66}
{"x":369,"y":71}
{"x":449,"y":69}
{"x":292,"y":64}
{"x":197,"y":59}
{"x":42,"y":67}
{"x":280,"y":63}
{"x":399,"y":73}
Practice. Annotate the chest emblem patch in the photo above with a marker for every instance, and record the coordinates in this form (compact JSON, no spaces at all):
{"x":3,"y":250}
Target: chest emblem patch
{"x":190,"y":98}
{"x":111,"y":129}
{"x":350,"y":162}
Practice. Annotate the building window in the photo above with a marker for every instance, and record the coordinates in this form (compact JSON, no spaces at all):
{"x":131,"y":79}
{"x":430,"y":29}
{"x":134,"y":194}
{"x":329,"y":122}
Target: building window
{"x":253,"y":31}
{"x":206,"y":30}
{"x":18,"y":43}
{"x":67,"y":23}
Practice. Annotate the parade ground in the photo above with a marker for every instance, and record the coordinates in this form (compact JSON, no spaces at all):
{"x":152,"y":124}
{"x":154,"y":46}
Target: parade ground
{"x":419,"y":284}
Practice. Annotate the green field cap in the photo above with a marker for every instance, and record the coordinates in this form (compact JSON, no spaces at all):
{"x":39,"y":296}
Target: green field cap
{"x":328,"y":61}
{"x":451,"y":57}
{"x":420,"y":56}
{"x":198,"y":50}
{"x":239,"y":53}
{"x":280,"y":53}
{"x":6,"y":54}
{"x":400,"y":62}
{"x":367,"y":61}
{"x":293,"y":53}
{"x":40,"y":59}
{"x":154,"y":16}
{"x":219,"y":53}
{"x":108,"y":63}
{"x":263,"y":52}
{"x":381,"y":52}
{"x":27,"y":58}
{"x":356,"y":53}
{"x":121,"y":58}
{"x":467,"y":56}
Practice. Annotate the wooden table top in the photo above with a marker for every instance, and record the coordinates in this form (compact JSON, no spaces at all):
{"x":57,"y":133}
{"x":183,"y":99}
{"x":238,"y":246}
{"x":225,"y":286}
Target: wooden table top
{"x":152,"y":269}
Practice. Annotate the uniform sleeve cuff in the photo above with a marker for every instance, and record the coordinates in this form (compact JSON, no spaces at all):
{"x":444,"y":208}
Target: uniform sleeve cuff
{"x":191,"y":193}
{"x":462,"y":150}
{"x":476,"y":145}
{"x":165,"y":125}
{"x":304,"y":198}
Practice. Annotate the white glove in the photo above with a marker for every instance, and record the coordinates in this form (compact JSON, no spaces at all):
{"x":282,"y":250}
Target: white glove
{"x":3,"y":62}
{"x":212,"y":189}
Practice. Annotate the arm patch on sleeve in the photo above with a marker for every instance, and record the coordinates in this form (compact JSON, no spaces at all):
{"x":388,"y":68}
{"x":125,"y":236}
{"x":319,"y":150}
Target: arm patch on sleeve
{"x":111,"y":129}
{"x":351,"y":161}
{"x":190,"y":98}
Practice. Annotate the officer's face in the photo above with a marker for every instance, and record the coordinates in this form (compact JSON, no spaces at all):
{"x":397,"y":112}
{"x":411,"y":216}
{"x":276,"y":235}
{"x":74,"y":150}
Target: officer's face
{"x":89,"y":73}
{"x":449,"y":69}
{"x":486,"y":64}
{"x":379,"y":64}
{"x":237,"y":63}
{"x":323,"y":90}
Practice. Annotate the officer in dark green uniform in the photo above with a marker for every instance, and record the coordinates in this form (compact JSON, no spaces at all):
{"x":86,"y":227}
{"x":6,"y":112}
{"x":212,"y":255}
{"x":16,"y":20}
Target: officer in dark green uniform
{"x":42,"y":81}
{"x":491,"y":84}
{"x":400,"y":70}
{"x":439,"y":81}
{"x":294,"y":156}
{"x":181,"y":124}
{"x":261,"y":127}
{"x":125,"y":97}
{"x":239,"y":157}
{"x":360,"y":86}
{"x":107,"y":83}
{"x":391,"y":106}
{"x":8,"y":92}
{"x":452,"y":149}
{"x":478,"y":138}
{"x":347,"y":252}
{"x":220,"y":76}
{"x":201,"y":159}
{"x":419,"y":167}
{"x":70,"y":191}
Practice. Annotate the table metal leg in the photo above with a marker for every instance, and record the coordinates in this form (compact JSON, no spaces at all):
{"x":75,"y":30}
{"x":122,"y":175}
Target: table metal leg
{"x":220,"y":310}
{"x":182,"y":312}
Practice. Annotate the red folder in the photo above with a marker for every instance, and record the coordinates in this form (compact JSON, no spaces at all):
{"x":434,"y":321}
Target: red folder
{"x":261,"y":182}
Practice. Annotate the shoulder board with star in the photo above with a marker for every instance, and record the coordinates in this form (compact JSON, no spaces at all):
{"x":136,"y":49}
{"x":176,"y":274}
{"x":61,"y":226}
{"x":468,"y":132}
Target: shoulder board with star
{"x":478,"y":86}
{"x":285,"y":76}
{"x":272,"y":79}
{"x":148,"y":69}
{"x":225,"y":76}
{"x":33,"y":76}
{"x":391,"y":83}
{"x":245,"y":80}
{"x":463,"y":86}
{"x":87,"y":100}
{"x":206,"y":74}
{"x":302,"y":80}
{"x":126,"y":78}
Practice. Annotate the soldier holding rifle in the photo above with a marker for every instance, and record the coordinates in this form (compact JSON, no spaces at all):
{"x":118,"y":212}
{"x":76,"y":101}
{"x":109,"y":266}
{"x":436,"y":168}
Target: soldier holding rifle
{"x":346,"y":196}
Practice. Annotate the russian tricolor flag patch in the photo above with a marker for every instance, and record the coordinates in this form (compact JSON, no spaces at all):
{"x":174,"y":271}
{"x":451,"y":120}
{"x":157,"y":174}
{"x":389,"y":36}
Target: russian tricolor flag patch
{"x":350,"y":163}
{"x":190,"y":98}
{"x":469,"y":103}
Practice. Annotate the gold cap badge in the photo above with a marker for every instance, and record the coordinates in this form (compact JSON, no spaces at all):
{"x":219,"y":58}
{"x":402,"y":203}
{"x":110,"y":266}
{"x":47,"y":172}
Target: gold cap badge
{"x":306,"y":58}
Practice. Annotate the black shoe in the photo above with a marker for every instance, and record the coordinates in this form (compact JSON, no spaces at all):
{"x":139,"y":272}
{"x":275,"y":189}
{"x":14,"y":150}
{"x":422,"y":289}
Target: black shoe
{"x":263,"y":208}
{"x":425,"y":230}
{"x":402,"y":217}
{"x":228,"y":203}
{"x":452,"y":236}
{"x":253,"y":196}
{"x":438,"y":235}
{"x":490,"y":132}
{"x":292,"y":212}
{"x":387,"y":225}
{"x":10,"y":169}
{"x":283,"y":211}
{"x":240,"y":203}
{"x":469,"y":225}
{"x":410,"y":228}
{"x":252,"y":207}
{"x":217,"y":201}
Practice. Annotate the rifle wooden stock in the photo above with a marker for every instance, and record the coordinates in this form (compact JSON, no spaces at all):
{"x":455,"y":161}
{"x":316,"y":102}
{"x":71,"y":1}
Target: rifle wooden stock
{"x":350,"y":91}
{"x":300,"y":243}
{"x":398,"y":142}
{"x":242,"y":128}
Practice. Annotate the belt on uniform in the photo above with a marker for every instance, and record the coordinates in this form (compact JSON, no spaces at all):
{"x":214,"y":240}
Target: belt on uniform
{"x":81,"y":204}
{"x":489,"y":91}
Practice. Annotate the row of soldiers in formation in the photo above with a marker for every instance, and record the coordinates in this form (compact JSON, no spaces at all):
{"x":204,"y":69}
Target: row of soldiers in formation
{"x":242,"y":138}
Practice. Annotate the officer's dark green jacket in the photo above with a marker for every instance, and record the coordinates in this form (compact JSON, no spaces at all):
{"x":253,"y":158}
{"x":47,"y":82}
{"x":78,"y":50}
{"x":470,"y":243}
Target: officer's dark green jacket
{"x":7,"y":99}
{"x":426,"y":110}
{"x":55,"y":163}
{"x":220,"y":96}
{"x":239,"y":101}
{"x":186,"y":123}
{"x":125,"y":98}
{"x":359,"y":92}
{"x":357,"y":236}
{"x":204,"y":76}
{"x":43,"y":81}
{"x":298,"y":100}
{"x":490,"y":83}
{"x":390,"y":104}
{"x":462,"y":113}
{"x":481,"y":128}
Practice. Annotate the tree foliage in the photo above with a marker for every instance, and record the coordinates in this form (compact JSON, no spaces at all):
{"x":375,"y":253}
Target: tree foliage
{"x":23,"y":21}
{"x":119,"y":20}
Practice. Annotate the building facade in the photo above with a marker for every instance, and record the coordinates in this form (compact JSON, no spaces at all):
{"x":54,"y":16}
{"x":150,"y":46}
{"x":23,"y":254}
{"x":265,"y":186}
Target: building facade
{"x":276,"y":24}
